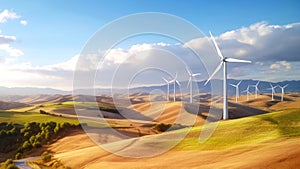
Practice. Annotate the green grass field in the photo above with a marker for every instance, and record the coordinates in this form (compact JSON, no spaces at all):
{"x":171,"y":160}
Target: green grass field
{"x":22,"y":118}
{"x":246,"y":131}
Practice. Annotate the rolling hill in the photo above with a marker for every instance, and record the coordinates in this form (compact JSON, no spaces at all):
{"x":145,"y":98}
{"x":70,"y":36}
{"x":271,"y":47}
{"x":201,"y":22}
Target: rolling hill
{"x":269,"y":140}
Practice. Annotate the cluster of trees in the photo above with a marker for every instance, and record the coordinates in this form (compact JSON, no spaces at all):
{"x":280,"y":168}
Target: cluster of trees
{"x":8,"y":164}
{"x":21,"y":138}
{"x":47,"y":113}
{"x":162,"y":127}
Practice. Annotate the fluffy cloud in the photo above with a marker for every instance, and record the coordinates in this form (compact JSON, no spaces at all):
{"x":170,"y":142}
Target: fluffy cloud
{"x":272,"y":48}
{"x":6,"y":15}
{"x":23,"y":22}
{"x":280,"y":66}
{"x":6,"y":41}
{"x":10,"y":50}
{"x":262,"y":42}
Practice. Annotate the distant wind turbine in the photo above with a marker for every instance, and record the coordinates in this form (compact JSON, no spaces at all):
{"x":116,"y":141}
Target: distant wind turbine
{"x":190,"y":83}
{"x":282,"y":90}
{"x":175,"y":81}
{"x":236,"y":90}
{"x":256,"y":88}
{"x":168,"y":91}
{"x":247,"y":92}
{"x":224,"y":61}
{"x":273,"y":90}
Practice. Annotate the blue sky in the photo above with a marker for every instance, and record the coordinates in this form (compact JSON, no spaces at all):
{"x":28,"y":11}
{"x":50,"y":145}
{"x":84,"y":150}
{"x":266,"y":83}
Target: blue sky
{"x":57,"y":30}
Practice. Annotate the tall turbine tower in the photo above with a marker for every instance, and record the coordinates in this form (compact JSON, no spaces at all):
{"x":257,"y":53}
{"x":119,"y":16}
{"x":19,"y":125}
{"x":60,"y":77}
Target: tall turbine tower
{"x":236,"y":90}
{"x":282,"y":90}
{"x":247,"y":92}
{"x":175,"y":81}
{"x":190,"y":83}
{"x":273,"y":90}
{"x":224,"y":61}
{"x":256,"y":88}
{"x":168,"y":91}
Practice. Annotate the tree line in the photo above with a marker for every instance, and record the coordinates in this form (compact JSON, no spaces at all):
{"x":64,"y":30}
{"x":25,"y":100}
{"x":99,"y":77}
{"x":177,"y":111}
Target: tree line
{"x":18,"y":139}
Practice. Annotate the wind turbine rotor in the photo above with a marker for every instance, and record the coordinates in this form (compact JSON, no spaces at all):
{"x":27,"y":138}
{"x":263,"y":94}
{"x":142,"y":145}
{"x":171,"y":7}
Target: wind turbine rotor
{"x":213,"y":74}
{"x":216,"y":46}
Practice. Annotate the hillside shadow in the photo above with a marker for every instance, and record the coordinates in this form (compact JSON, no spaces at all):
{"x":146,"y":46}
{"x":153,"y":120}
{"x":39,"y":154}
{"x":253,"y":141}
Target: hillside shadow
{"x":279,"y":98}
{"x":202,"y":111}
{"x":238,"y":111}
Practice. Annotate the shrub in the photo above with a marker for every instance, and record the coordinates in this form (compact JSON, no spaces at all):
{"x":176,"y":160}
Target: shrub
{"x":162,"y":127}
{"x":43,"y":112}
{"x":46,"y":156}
{"x":18,"y":156}
{"x":9,"y":164}
{"x":26,"y":145}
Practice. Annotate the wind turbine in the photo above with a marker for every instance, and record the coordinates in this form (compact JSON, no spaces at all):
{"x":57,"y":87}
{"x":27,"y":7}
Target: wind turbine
{"x":236,"y":90}
{"x":168,"y":91}
{"x":175,"y":81}
{"x":247,"y":92}
{"x":223,"y":63}
{"x":256,"y":88}
{"x":190,"y":83}
{"x":282,"y":90}
{"x":273,"y":90}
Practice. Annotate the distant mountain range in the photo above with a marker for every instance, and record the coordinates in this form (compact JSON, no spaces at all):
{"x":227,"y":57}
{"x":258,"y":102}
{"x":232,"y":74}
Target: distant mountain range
{"x":293,"y":86}
{"x":30,"y":91}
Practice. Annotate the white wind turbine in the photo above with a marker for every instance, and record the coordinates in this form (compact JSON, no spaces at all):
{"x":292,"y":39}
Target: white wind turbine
{"x":236,"y":90}
{"x":247,"y":92}
{"x":256,"y":88}
{"x":175,"y":81}
{"x":273,"y":90}
{"x":282,"y":90}
{"x":190,"y":83}
{"x":168,"y":91}
{"x":223,"y":63}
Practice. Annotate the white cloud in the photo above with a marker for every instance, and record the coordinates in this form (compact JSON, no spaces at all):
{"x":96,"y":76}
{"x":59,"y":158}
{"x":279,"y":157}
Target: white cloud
{"x":280,"y":66}
{"x":272,"y":48}
{"x":10,"y":50}
{"x":7,"y":39}
{"x":6,"y":15}
{"x":23,"y":22}
{"x":262,"y":42}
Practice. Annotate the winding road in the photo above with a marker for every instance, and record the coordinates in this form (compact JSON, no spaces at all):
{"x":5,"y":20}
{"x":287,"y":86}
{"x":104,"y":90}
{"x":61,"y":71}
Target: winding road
{"x":22,"y":162}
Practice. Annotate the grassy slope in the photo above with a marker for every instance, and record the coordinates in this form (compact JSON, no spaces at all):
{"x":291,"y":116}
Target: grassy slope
{"x":21,"y":118}
{"x":246,"y":131}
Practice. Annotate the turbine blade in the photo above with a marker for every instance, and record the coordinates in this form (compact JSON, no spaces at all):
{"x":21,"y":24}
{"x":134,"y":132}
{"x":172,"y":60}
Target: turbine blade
{"x":189,"y":82}
{"x":285,"y":85}
{"x":196,"y":74}
{"x":165,"y":80}
{"x":232,"y":85}
{"x":257,"y":83}
{"x":177,"y":82}
{"x":189,"y":72}
{"x":216,"y":46}
{"x":237,"y":60}
{"x":239,"y":83}
{"x":212,"y":75}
